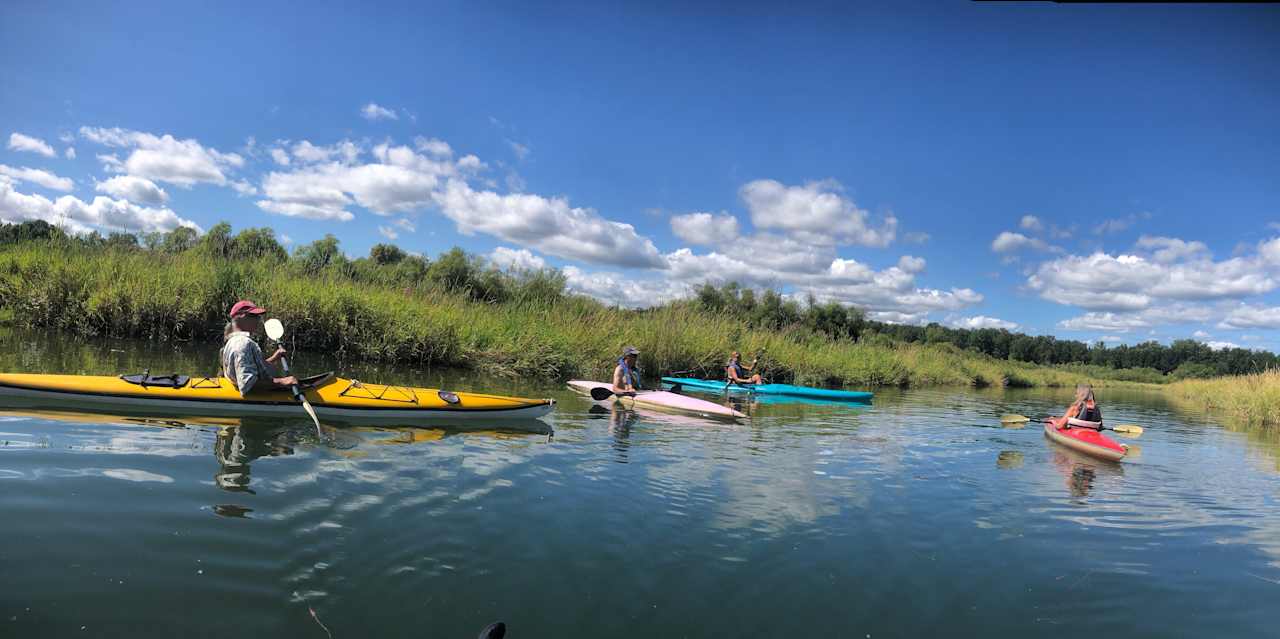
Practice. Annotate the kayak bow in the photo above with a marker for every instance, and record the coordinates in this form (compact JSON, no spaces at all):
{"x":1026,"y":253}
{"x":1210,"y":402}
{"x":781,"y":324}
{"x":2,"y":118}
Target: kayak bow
{"x":1087,"y":441}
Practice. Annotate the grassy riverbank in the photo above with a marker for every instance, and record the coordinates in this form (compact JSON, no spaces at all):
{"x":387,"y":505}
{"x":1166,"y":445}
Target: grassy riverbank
{"x":534,"y":330}
{"x":1252,"y":399}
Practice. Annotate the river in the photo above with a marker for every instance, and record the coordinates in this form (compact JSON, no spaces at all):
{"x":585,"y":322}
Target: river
{"x":918,"y":515}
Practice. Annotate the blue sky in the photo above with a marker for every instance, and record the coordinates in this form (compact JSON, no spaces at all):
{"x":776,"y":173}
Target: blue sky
{"x":1084,"y":171}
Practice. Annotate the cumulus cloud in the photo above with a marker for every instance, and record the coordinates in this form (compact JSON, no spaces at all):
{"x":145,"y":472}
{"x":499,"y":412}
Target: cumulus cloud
{"x":388,"y":232}
{"x":1218,"y":346}
{"x":165,"y":158}
{"x":1129,"y":282}
{"x":1169,"y":249}
{"x":707,"y":229}
{"x":549,"y":225}
{"x":70,"y":153}
{"x":434,"y":147}
{"x":20,"y":142}
{"x":79,"y":216}
{"x":345,"y":152}
{"x":37,"y":176}
{"x":516,"y":259}
{"x":373,"y":112}
{"x":817,"y":212}
{"x":1031,"y":223}
{"x":134,"y":189}
{"x":1008,"y":241}
{"x":623,"y":290}
{"x":981,"y":321}
{"x":1124,"y":322}
{"x":1201,"y":335}
{"x":1250,"y":316}
{"x":1108,"y":321}
{"x":280,"y":156}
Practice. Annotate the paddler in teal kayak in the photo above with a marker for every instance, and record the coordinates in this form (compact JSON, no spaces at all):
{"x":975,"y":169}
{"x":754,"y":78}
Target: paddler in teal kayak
{"x":1083,"y":412}
{"x":242,"y":359}
{"x":736,"y":373}
{"x":626,"y":379}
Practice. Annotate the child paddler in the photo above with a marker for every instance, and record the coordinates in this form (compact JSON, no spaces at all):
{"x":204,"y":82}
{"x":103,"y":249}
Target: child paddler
{"x":626,"y":379}
{"x":1083,"y":412}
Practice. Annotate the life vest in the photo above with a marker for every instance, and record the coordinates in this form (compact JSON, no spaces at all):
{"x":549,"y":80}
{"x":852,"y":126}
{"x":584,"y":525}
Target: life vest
{"x":738,"y":371}
{"x":1088,"y":416}
{"x":629,"y":375}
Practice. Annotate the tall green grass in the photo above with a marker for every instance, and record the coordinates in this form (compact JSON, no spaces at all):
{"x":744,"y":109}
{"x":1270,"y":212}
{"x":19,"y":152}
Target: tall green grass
{"x":184,"y":296}
{"x":1253,"y":399}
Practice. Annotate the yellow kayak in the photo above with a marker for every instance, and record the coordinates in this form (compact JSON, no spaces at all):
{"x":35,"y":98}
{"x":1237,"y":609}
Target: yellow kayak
{"x":334,"y":398}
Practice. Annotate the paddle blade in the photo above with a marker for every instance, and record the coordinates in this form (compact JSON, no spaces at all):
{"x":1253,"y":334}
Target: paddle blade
{"x":1013,"y":419}
{"x":275,"y":330}
{"x":601,"y":393}
{"x":1131,"y":429}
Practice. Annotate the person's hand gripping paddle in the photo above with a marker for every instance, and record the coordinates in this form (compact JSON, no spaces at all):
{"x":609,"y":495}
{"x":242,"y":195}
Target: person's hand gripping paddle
{"x":275,"y":330}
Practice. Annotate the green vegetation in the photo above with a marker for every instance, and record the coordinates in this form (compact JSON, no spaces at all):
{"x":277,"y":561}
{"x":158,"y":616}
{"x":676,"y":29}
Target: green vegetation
{"x":1182,"y":359}
{"x":1253,"y":399}
{"x":457,"y":311}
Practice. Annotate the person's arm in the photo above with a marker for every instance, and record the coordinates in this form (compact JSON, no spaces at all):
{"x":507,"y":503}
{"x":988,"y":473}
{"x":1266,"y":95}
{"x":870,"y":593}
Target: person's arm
{"x":620,"y":384}
{"x":242,"y":371}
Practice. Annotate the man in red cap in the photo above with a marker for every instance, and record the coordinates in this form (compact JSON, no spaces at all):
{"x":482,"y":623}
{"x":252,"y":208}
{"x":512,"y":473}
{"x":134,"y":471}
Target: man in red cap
{"x":242,"y":359}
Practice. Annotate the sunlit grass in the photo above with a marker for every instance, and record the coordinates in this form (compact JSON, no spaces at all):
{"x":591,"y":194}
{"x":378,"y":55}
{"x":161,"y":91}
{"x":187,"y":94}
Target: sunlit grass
{"x":1254,"y":399}
{"x":184,"y":297}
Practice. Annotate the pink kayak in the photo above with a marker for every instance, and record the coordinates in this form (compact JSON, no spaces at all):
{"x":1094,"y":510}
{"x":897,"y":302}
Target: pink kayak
{"x":1085,"y":440}
{"x":663,"y":401}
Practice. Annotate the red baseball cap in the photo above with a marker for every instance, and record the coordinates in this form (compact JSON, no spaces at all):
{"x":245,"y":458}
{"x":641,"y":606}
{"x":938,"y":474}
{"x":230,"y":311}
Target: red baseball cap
{"x":245,"y":307}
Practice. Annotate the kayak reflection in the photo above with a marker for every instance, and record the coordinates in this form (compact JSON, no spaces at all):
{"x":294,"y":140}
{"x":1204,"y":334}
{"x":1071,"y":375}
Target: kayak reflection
{"x":1080,"y":472}
{"x":236,"y":446}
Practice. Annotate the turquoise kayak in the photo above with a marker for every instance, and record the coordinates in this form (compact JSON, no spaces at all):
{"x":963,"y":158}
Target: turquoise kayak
{"x":711,"y":385}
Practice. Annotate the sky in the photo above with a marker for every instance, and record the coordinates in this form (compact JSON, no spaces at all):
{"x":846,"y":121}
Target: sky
{"x":1091,"y":172}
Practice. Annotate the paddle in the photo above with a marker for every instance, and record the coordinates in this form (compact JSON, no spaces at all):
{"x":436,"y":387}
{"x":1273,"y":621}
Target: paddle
{"x":1131,"y":429}
{"x":601,"y":393}
{"x":275,"y":330}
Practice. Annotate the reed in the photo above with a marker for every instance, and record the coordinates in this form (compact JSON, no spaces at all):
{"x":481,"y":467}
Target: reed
{"x":1252,"y":399}
{"x":89,"y":291}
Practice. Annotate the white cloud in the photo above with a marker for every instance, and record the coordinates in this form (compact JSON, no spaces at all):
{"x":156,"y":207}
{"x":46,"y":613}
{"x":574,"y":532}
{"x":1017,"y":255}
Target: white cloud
{"x":623,"y":290}
{"x":346,"y":152}
{"x":308,"y":211}
{"x":70,"y":153}
{"x":280,"y":156}
{"x":1112,"y":338}
{"x":78,"y":216}
{"x":1130,"y":282}
{"x":388,"y":232}
{"x":516,"y":259}
{"x":982,"y":321}
{"x":244,"y":188}
{"x":1145,"y":319}
{"x":817,"y":212}
{"x":38,"y":176}
{"x":1031,"y":223}
{"x":1218,"y":346}
{"x":20,"y":142}
{"x":1116,"y":225}
{"x":134,"y":189}
{"x":165,"y":158}
{"x":432,"y":146}
{"x":1008,"y":241}
{"x":1248,"y":316}
{"x":910,"y":264}
{"x":549,"y":225}
{"x":405,"y":224}
{"x":111,"y":163}
{"x":707,"y":229}
{"x":521,"y":151}
{"x":1169,"y":249}
{"x":1201,"y":335}
{"x":916,"y":237}
{"x":373,"y":112}
{"x":1104,"y":322}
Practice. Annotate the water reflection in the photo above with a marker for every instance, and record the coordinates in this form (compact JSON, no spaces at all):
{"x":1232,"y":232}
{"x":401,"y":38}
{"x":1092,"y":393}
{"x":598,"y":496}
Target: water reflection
{"x":1009,"y":459}
{"x":236,"y":446}
{"x":1080,"y":472}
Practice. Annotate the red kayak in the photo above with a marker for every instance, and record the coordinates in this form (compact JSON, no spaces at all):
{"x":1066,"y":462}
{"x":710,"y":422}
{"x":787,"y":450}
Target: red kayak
{"x":1085,"y":440}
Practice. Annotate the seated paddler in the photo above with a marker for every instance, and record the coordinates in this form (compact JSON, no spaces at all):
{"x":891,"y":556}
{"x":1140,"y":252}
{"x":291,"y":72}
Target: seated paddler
{"x":242,"y":360}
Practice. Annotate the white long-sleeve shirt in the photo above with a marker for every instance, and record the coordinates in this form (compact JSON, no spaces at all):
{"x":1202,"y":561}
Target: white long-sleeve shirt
{"x":243,"y":363}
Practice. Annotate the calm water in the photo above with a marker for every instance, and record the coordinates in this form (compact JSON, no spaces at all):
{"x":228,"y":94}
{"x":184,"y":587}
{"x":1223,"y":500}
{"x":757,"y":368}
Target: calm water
{"x":916,"y":516}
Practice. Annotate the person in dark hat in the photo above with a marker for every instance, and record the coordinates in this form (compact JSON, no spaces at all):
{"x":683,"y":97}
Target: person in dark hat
{"x":626,"y":378}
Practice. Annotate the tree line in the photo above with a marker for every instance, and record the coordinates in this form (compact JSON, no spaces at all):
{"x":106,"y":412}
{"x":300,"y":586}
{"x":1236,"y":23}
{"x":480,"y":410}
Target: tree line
{"x":1183,"y":358}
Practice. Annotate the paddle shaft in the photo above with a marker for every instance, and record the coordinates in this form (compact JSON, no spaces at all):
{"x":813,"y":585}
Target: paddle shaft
{"x":297,"y":394}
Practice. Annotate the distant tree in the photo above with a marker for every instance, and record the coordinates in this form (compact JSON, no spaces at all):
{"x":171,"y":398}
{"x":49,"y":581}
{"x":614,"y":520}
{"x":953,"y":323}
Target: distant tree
{"x":179,"y":240}
{"x":383,"y":254}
